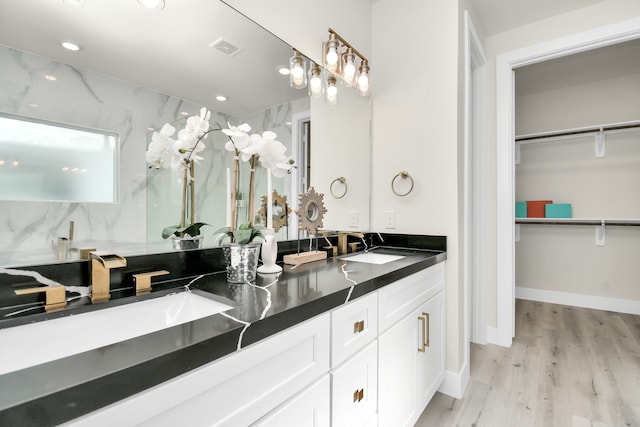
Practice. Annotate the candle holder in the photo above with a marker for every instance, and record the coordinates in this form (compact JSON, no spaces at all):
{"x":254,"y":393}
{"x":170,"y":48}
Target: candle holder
{"x":269,"y":254}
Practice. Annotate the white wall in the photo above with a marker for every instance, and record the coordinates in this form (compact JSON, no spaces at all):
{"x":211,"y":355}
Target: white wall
{"x":548,"y":97}
{"x":414,"y":111}
{"x":603,"y":13}
{"x":415,"y":125}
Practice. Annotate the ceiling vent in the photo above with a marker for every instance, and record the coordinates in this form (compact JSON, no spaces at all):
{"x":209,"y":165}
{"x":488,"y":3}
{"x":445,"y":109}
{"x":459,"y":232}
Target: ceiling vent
{"x":226,"y":47}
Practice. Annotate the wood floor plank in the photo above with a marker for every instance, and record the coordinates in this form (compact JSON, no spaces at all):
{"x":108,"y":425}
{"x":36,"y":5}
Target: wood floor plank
{"x":568,"y":366}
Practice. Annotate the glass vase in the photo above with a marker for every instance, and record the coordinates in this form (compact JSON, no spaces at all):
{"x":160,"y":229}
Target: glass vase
{"x":241,"y":261}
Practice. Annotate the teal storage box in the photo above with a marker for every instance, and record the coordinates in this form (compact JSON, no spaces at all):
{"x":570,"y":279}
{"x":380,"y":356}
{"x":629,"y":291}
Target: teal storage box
{"x":521,"y":209}
{"x":558,"y":210}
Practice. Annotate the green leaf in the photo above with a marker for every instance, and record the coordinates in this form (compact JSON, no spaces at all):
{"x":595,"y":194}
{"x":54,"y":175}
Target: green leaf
{"x":192,"y":230}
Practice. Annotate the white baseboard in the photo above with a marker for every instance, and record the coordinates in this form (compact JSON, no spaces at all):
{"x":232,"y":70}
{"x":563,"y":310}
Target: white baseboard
{"x":580,"y":300}
{"x":455,"y":383}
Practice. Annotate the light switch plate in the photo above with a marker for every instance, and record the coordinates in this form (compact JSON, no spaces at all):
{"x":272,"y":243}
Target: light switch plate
{"x":389,"y":219}
{"x":353,"y":219}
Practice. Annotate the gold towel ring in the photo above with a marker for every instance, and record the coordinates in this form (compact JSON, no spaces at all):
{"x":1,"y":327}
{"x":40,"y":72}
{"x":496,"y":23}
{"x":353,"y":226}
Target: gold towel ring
{"x":343,"y":181}
{"x":403,"y":175}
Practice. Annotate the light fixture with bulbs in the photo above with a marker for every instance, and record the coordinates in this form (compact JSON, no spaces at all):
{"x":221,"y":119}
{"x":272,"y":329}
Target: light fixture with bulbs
{"x":298,"y":71}
{"x":339,"y":58}
{"x":316,"y":87}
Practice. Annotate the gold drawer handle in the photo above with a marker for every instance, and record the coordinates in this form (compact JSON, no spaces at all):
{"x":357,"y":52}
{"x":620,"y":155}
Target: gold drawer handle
{"x":426,"y":330}
{"x":358,"y":395}
{"x":422,"y":335}
{"x":358,"y":327}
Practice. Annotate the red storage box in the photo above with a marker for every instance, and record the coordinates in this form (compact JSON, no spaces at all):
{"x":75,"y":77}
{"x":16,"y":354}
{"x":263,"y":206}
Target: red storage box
{"x":536,"y":208}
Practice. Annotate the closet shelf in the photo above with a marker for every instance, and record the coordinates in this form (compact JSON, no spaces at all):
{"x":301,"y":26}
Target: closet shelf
{"x":621,"y":127}
{"x":630,"y":222}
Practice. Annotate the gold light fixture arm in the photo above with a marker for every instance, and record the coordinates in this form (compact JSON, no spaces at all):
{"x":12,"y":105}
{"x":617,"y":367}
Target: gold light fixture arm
{"x":346,"y":43}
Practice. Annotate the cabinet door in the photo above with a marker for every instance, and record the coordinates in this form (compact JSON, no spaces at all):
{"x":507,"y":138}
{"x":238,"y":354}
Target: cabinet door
{"x":354,"y":389}
{"x":397,"y":358}
{"x":310,"y":408}
{"x":353,"y":326}
{"x":430,"y":364}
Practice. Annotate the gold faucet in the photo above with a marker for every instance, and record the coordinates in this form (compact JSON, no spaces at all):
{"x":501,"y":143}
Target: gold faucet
{"x":342,"y":240}
{"x":55,"y":297}
{"x":101,"y":265}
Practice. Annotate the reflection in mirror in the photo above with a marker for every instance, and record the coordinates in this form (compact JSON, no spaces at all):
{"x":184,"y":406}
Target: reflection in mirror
{"x":128,"y":85}
{"x":45,"y":161}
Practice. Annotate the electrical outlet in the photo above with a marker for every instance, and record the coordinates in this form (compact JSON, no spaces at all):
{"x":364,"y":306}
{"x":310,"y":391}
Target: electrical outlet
{"x":353,"y":219}
{"x":389,"y":219}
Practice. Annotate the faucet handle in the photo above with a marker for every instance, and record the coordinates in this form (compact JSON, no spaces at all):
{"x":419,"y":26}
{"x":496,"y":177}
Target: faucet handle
{"x":55,"y":296}
{"x":142,"y":281}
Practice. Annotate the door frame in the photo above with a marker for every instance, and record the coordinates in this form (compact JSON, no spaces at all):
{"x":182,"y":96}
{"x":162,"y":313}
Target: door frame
{"x":506,"y":63}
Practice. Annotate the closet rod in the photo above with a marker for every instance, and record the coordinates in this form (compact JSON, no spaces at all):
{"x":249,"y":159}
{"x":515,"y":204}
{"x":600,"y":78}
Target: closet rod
{"x":579,"y":131}
{"x":580,"y":221}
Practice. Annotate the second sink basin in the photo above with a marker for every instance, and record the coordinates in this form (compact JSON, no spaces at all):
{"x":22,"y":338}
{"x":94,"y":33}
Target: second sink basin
{"x":372,"y":258}
{"x":35,"y":343}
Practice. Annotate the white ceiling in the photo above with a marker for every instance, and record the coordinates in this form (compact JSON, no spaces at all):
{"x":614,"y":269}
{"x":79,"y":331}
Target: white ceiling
{"x":496,"y":16}
{"x":166,"y":50}
{"x":604,"y":63}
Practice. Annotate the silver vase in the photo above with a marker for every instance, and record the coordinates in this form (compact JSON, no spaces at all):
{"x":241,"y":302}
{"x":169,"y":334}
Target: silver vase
{"x":182,"y":243}
{"x":241,"y":261}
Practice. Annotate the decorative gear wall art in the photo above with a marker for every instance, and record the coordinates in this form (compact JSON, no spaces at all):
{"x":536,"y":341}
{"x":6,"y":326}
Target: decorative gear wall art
{"x":310,"y":211}
{"x":280,"y":211}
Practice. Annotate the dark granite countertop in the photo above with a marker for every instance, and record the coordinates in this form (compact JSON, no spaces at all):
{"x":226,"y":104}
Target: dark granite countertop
{"x":57,"y":391}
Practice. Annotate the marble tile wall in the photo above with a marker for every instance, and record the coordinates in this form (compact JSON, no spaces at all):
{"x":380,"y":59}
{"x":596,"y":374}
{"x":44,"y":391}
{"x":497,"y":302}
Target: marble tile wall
{"x":90,"y":99}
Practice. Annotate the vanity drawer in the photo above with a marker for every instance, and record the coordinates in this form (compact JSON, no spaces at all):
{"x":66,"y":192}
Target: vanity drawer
{"x":354,"y":389}
{"x":353,"y":326}
{"x":400,"y":298}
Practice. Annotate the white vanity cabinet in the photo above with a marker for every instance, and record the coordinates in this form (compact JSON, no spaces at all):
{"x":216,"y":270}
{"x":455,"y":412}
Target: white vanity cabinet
{"x":411,"y":346}
{"x":309,"y":408}
{"x":234,"y":391}
{"x":375,"y":361}
{"x":354,"y":362}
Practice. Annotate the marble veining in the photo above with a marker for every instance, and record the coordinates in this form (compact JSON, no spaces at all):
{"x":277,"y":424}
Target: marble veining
{"x":147,"y":203}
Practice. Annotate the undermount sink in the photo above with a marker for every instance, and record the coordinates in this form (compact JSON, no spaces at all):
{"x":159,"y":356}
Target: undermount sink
{"x":28,"y":345}
{"x":372,"y":258}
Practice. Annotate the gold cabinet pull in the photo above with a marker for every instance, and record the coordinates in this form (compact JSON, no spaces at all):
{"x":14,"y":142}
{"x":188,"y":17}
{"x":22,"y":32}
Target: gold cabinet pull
{"x":426,"y":330}
{"x":358,"y":395}
{"x":358,"y":327}
{"x":55,"y":296}
{"x":423,"y":335}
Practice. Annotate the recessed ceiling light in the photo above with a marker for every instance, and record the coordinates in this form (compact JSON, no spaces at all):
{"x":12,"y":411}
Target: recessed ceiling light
{"x":15,"y":163}
{"x":1,"y":162}
{"x":184,"y":113}
{"x":50,"y":77}
{"x":152,"y":4}
{"x":34,"y":105}
{"x":69,"y":45}
{"x":221,"y":98}
{"x":284,"y":70}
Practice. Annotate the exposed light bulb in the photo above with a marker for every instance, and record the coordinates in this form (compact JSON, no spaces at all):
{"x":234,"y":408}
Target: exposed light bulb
{"x":297,"y":66}
{"x":349,"y":70}
{"x":316,"y":85}
{"x":331,"y":94}
{"x":363,"y":78}
{"x":332,"y":57}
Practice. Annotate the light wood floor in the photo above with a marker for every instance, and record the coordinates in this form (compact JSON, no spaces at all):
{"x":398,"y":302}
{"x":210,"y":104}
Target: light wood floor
{"x":567,"y":366}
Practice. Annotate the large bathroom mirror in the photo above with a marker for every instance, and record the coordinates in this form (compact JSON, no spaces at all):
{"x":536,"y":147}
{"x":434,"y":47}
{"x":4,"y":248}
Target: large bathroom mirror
{"x":136,"y":70}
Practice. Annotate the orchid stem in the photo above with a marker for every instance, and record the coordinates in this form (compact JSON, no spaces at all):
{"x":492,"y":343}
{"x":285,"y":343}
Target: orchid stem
{"x":252,"y":178}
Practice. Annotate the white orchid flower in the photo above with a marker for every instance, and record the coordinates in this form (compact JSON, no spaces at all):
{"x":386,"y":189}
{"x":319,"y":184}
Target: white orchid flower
{"x":238,"y":137}
{"x":253,"y":147}
{"x":160,"y":149}
{"x":272,"y":155}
